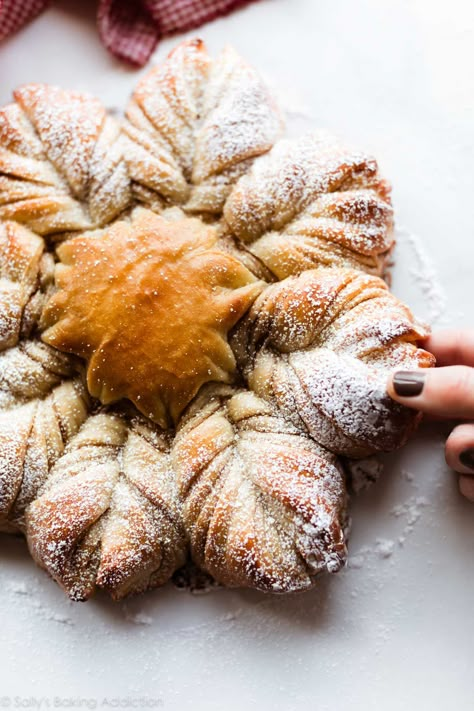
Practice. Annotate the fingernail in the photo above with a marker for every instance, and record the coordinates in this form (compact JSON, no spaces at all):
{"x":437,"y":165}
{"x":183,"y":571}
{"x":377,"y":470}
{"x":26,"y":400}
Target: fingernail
{"x":408,"y":383}
{"x":467,"y":458}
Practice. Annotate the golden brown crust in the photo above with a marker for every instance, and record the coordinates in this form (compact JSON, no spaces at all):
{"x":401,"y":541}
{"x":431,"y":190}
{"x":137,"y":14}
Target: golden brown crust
{"x":145,"y":288}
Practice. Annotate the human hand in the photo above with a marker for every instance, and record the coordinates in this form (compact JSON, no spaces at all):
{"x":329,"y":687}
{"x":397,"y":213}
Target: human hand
{"x":446,"y":392}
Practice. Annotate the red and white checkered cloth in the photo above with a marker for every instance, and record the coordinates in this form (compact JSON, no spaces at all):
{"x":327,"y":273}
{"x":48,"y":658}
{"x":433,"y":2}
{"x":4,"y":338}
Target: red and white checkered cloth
{"x":130,"y":29}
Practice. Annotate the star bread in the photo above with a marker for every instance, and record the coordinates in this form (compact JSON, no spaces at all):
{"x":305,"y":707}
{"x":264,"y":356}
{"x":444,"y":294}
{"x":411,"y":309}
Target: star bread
{"x":195,"y":333}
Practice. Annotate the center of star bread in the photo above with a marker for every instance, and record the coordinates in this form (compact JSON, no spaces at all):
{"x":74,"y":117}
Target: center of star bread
{"x":148,"y":304}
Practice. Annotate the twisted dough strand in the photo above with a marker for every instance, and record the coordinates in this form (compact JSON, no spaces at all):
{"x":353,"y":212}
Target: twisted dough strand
{"x":32,"y":437}
{"x":61,"y":161}
{"x":195,"y":125}
{"x":319,"y":347}
{"x":264,"y":506}
{"x":108,"y":515}
{"x":26,"y":275}
{"x":312,"y":201}
{"x":31,"y":370}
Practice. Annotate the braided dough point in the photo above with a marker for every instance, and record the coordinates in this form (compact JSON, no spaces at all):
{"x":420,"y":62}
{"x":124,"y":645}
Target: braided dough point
{"x":108,"y":515}
{"x":320,"y":346}
{"x":61,"y":161}
{"x":264,"y":506}
{"x":312,"y":201}
{"x":195,"y":125}
{"x":32,"y":437}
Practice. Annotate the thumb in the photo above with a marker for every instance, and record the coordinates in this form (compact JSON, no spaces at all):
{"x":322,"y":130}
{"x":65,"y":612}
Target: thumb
{"x":443,"y":392}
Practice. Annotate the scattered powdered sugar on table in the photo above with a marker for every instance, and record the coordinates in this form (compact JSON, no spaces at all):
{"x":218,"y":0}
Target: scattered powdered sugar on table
{"x":408,"y":512}
{"x":24,"y":595}
{"x":424,"y":274}
{"x":363,"y":472}
{"x":136,"y":618}
{"x":408,"y":476}
{"x":411,"y":511}
{"x":382,"y":549}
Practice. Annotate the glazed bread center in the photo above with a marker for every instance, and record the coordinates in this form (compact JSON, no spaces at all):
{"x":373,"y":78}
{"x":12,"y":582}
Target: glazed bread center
{"x":148,"y":304}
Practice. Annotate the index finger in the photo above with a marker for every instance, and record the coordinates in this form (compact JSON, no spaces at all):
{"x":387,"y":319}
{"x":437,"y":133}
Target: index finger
{"x":452,"y":346}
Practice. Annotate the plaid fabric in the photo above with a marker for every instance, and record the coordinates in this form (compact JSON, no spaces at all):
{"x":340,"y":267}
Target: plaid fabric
{"x":127,"y":30}
{"x":130,"y":29}
{"x":14,"y":14}
{"x":173,"y":16}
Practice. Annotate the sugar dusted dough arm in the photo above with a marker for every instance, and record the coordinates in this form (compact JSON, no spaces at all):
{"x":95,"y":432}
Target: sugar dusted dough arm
{"x":31,"y":370}
{"x":320,"y":346}
{"x":263,"y":505}
{"x":26,"y":274}
{"x":61,"y":161}
{"x":108,"y":515}
{"x":32,"y":437}
{"x":194,"y":125}
{"x":313,"y":202}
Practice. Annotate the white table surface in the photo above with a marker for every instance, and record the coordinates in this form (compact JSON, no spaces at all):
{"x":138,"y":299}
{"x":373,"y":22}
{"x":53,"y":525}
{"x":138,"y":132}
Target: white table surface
{"x":389,"y":633}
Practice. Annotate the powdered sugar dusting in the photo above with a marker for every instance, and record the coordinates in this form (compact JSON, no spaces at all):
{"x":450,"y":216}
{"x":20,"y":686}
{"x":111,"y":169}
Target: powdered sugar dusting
{"x":23,"y":594}
{"x":425,"y":277}
{"x":311,"y":201}
{"x":250,"y":485}
{"x":136,"y":618}
{"x":410,"y":512}
{"x":382,"y":549}
{"x":364,"y":472}
{"x":194,"y":125}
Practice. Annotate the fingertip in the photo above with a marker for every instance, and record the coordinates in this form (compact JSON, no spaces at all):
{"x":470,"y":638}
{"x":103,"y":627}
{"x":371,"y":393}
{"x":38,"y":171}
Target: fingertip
{"x":459,"y":449}
{"x":405,"y":385}
{"x":390,"y":388}
{"x":466,"y":486}
{"x":447,"y":392}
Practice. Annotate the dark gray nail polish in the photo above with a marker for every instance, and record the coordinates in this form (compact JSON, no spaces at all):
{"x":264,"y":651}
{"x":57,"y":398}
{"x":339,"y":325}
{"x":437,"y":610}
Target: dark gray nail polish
{"x":408,"y":383}
{"x":467,"y":458}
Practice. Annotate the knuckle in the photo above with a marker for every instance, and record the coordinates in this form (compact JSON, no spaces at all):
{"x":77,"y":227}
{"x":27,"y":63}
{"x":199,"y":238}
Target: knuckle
{"x":460,"y":439}
{"x":457,"y":340}
{"x":451,"y":453}
{"x":461,"y":384}
{"x":466,"y":486}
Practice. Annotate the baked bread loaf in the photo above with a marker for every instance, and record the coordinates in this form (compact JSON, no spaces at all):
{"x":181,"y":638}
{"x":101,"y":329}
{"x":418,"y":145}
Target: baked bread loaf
{"x":194,"y":334}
